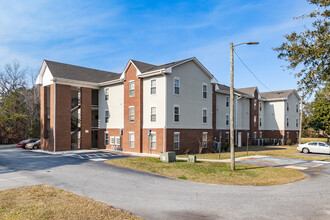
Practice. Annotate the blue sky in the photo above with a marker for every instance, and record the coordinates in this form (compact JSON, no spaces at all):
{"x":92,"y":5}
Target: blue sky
{"x":106,"y":34}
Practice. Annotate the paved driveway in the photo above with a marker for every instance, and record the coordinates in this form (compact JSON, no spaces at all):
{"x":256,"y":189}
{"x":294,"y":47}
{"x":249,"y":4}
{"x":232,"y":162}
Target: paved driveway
{"x":155,"y":197}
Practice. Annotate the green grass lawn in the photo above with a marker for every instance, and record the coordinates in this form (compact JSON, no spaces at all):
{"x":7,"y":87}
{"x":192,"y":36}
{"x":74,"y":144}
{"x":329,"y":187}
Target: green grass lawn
{"x":212,"y":172}
{"x":306,"y":140}
{"x":46,"y":202}
{"x":274,"y":151}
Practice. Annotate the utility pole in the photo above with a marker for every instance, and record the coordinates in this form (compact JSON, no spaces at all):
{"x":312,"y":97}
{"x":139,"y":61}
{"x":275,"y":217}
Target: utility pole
{"x":301,"y":117}
{"x":232,"y":150}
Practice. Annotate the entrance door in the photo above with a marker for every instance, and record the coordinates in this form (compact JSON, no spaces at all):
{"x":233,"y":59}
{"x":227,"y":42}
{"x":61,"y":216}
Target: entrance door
{"x":239,"y":142}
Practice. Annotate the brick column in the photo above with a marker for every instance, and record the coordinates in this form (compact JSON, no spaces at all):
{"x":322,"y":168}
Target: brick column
{"x":86,"y":118}
{"x":43,"y":117}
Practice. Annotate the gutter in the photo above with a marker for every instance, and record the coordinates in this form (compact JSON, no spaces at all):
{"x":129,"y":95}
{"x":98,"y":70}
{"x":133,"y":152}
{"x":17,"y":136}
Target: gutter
{"x":54,"y":147}
{"x":165,"y":114}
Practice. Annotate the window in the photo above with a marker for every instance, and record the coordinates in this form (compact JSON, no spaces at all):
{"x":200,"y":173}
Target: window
{"x":106,"y":118}
{"x":227,"y":119}
{"x":106,"y":94}
{"x":112,"y":140}
{"x":153,"y":114}
{"x":255,"y":121}
{"x":287,"y":135}
{"x":176,"y":113}
{"x":313,"y":143}
{"x":287,"y":106}
{"x":204,"y":91}
{"x":255,"y":135}
{"x":131,"y":88}
{"x":297,"y":135}
{"x":322,"y":144}
{"x":153,"y":86}
{"x":131,"y":114}
{"x":131,"y":139}
{"x":260,"y":106}
{"x":297,"y":122}
{"x":260,"y":134}
{"x":287,"y":122}
{"x":227,"y":137}
{"x":204,"y":139}
{"x":176,"y":85}
{"x":297,"y":107}
{"x":227,"y":101}
{"x":153,"y":140}
{"x":204,"y":115}
{"x":106,"y":138}
{"x":260,"y":123}
{"x":176,"y":140}
{"x":255,"y":105}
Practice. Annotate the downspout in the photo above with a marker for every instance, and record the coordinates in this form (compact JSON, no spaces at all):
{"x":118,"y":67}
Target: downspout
{"x":54,"y":114}
{"x":165,"y":114}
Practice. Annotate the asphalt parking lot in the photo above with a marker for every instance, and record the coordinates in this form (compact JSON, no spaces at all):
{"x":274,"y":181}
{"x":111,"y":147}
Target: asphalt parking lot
{"x":97,"y":156}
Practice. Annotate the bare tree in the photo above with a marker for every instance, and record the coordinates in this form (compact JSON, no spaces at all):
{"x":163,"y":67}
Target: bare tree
{"x":12,"y":77}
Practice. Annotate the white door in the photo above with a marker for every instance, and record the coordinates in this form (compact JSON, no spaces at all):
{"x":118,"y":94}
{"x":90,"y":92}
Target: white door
{"x":239,"y":142}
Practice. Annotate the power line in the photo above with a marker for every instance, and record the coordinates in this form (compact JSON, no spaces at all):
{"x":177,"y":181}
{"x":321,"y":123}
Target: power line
{"x":251,"y":71}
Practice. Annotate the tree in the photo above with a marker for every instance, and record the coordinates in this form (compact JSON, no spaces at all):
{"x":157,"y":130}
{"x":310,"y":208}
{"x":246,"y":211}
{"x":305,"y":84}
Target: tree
{"x":13,"y":117}
{"x":310,"y":50}
{"x":12,"y":77}
{"x":319,"y":118}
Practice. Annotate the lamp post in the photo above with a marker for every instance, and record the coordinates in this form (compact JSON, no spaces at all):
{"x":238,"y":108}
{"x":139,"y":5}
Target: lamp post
{"x":232,"y":150}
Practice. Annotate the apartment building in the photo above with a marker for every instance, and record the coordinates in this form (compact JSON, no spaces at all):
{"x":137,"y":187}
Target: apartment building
{"x":148,"y":108}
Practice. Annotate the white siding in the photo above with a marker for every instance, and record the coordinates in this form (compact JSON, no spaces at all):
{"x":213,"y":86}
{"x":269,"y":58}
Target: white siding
{"x":115,"y":105}
{"x":190,"y":99}
{"x":47,"y":77}
{"x":154,"y":100}
{"x":242,"y":116}
{"x":274,"y":117}
{"x":292,"y":114}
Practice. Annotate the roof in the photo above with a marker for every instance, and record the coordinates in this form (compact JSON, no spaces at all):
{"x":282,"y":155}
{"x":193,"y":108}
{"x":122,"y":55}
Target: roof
{"x":147,"y":67}
{"x":67,"y":71}
{"x":277,"y":94}
{"x":226,"y":89}
{"x":248,"y":90}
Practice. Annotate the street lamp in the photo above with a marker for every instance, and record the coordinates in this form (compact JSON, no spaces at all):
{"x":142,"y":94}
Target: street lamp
{"x":232,"y":150}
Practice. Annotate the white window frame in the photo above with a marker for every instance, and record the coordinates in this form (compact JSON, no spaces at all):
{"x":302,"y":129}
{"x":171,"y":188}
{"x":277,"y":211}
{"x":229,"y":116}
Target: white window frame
{"x":287,"y":122}
{"x":112,"y":140}
{"x":227,"y":135}
{"x":204,"y":92}
{"x":106,"y":94}
{"x":174,"y":106}
{"x":130,"y":89}
{"x":153,"y":134}
{"x":260,"y":134}
{"x":297,"y":122}
{"x":178,"y":141}
{"x":176,"y":78}
{"x":287,"y":135}
{"x":129,"y":114}
{"x":255,"y":135}
{"x":151,"y":107}
{"x":297,"y":107}
{"x":106,"y":138}
{"x":260,"y":122}
{"x":297,"y":135}
{"x":204,"y":109}
{"x":106,"y":119}
{"x":131,"y":141}
{"x":255,"y":104}
{"x":255,"y":122}
{"x":204,"y":140}
{"x":227,"y":120}
{"x":153,"y":87}
{"x":227,"y":101}
{"x":260,"y":106}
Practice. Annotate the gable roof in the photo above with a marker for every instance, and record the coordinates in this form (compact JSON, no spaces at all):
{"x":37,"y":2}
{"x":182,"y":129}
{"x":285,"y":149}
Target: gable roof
{"x":282,"y":94}
{"x":68,"y":71}
{"x":226,"y":89}
{"x":249,"y":90}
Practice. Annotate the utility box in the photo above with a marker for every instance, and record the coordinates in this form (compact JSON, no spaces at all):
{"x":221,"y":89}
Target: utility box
{"x":168,"y":157}
{"x":192,"y":158}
